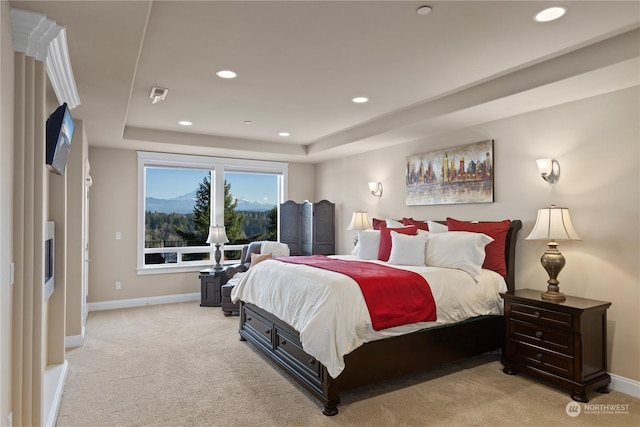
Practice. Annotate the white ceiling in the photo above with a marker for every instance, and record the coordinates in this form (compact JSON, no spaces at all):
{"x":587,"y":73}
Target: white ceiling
{"x":300,"y":63}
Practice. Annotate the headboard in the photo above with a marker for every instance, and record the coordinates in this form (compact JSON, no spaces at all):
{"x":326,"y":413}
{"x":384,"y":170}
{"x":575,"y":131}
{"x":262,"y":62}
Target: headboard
{"x":510,"y":254}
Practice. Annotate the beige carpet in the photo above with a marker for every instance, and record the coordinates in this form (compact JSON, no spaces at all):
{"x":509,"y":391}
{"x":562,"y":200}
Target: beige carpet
{"x":183,"y":365}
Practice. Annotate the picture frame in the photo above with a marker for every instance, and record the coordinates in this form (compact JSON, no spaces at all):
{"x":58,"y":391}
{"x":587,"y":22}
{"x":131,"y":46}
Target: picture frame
{"x":456,"y":175}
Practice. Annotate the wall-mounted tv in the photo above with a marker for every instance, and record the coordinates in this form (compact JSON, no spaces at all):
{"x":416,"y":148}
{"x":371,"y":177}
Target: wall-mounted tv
{"x":60,"y":129}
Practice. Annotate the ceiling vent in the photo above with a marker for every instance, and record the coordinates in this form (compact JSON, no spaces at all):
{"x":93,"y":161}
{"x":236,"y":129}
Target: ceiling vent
{"x":158,"y":94}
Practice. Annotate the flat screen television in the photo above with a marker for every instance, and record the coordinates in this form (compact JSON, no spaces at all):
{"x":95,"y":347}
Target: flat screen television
{"x":60,"y":129}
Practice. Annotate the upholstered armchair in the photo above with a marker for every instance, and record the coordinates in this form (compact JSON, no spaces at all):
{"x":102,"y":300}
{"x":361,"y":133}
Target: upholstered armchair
{"x":278,"y":249}
{"x":245,"y":262}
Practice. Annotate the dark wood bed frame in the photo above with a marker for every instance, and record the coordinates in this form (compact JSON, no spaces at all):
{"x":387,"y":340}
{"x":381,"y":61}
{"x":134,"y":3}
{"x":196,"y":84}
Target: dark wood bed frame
{"x":379,"y":360}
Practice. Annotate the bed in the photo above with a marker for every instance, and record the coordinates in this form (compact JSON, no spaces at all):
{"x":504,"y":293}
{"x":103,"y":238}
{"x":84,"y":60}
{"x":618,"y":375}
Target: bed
{"x":367,"y":359}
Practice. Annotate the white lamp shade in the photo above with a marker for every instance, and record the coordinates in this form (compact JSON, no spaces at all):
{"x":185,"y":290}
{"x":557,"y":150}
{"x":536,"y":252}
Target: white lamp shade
{"x":359,"y":221}
{"x":217,"y":234}
{"x":553,"y":223}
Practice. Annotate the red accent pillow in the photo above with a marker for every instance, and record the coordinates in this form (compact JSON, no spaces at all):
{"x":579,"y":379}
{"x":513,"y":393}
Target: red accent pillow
{"x":378,"y":223}
{"x":420,"y":225}
{"x":384,"y":250}
{"x":494,"y":259}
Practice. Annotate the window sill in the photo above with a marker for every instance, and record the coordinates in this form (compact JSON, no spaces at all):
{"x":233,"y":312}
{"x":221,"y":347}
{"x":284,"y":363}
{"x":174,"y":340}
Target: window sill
{"x":168,"y":269}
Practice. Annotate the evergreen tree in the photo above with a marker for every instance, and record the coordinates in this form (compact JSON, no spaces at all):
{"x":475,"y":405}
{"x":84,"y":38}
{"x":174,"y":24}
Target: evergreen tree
{"x":198,"y":233}
{"x":232,"y":221}
{"x":202,"y":214}
{"x":272,"y":226}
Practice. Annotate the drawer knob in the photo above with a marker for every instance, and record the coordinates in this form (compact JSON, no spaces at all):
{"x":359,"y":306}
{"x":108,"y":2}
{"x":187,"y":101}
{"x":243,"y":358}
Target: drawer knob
{"x":248,"y":319}
{"x":539,"y":356}
{"x":538,"y":334}
{"x":312,"y":362}
{"x":537,"y":314}
{"x":268,"y":331}
{"x":283,"y":342}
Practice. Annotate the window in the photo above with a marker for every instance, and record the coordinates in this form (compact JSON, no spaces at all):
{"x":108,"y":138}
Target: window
{"x":180,"y":196}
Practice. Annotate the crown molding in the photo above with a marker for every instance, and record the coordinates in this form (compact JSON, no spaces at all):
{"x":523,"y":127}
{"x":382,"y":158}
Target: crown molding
{"x":43,"y":39}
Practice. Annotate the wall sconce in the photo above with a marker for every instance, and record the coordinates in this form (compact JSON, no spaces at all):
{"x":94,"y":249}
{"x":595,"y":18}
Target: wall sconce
{"x":376,"y":188}
{"x":549,"y":170}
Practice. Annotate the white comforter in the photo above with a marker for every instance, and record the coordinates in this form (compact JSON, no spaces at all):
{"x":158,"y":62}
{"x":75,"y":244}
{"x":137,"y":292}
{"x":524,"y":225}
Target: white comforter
{"x":329,"y":312}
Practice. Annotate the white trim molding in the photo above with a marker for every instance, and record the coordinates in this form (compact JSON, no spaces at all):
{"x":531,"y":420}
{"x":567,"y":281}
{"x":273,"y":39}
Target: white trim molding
{"x":72,"y":341}
{"x":139,"y":302}
{"x":625,"y":385}
{"x":54,"y":379}
{"x":37,"y":36}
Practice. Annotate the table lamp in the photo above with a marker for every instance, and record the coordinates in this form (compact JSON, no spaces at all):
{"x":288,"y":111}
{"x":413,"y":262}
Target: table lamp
{"x":553,"y":224}
{"x":359,"y":221}
{"x":218,"y":236}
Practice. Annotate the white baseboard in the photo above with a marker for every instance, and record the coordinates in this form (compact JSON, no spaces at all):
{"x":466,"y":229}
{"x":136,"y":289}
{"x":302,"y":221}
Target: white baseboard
{"x":139,"y":302}
{"x":72,"y":341}
{"x":625,"y":385}
{"x":54,"y":378}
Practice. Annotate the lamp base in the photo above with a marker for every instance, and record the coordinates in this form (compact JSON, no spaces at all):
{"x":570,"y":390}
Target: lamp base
{"x":553,"y":296}
{"x":553,"y":262}
{"x":218,"y":256}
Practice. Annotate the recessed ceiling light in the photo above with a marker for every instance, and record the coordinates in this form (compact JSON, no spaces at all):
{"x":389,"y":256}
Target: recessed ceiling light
{"x":360,"y":100}
{"x":248,"y":122}
{"x":423,"y":10}
{"x":550,"y":14}
{"x":284,"y":134}
{"x":226,"y":74}
{"x":185,"y":123}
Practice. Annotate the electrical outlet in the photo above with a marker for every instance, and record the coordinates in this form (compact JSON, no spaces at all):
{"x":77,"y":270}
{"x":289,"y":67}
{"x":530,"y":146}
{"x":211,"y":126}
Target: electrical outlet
{"x":118,"y":285}
{"x":118,"y":235}
{"x":12,"y":274}
{"x":10,"y":420}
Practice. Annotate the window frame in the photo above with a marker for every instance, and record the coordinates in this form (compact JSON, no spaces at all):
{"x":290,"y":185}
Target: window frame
{"x":217,"y":166}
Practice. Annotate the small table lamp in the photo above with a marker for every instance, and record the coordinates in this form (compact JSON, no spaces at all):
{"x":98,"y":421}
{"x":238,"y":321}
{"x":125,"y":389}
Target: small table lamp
{"x":553,"y":224}
{"x":359,"y":221}
{"x":218,"y":236}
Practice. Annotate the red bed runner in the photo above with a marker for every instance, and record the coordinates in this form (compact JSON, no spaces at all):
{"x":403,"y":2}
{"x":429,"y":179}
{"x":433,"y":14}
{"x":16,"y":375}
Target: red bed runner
{"x":394,"y":297}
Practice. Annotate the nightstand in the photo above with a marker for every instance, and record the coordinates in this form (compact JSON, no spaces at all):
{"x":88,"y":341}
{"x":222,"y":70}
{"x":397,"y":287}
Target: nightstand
{"x":562,"y":343}
{"x":210,"y":283}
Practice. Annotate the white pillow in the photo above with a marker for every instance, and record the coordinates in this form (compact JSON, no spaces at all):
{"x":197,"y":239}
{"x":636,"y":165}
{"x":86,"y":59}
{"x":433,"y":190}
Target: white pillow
{"x":368,"y":244}
{"x":274,"y":248}
{"x":436,"y":227}
{"x":407,"y":250}
{"x":392,"y":223}
{"x":463,"y":250}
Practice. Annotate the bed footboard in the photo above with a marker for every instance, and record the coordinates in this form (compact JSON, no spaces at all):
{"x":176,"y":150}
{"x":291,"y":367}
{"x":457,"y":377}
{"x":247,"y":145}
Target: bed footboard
{"x":281,"y":343}
{"x":368,"y":364}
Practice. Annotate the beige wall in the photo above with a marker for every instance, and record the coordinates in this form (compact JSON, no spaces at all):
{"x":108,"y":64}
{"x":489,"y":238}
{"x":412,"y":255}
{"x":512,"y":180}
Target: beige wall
{"x":113,"y":208}
{"x":596,"y":142}
{"x":6,"y":207}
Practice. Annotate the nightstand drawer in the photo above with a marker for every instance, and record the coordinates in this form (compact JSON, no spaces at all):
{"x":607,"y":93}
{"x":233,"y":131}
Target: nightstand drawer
{"x":542,"y":359}
{"x":559,"y":340}
{"x":540,"y":315}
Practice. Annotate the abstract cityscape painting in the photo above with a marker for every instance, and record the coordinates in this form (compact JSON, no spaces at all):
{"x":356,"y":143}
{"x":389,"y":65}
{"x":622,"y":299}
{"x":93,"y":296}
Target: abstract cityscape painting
{"x":462,"y":174}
